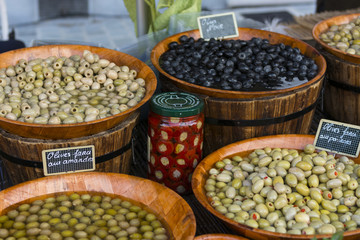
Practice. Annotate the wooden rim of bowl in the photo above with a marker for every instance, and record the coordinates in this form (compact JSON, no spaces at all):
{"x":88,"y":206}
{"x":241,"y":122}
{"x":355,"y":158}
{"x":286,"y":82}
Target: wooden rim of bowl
{"x":244,"y":34}
{"x":324,"y":25}
{"x":163,"y":201}
{"x":47,"y":131}
{"x":295,"y":141}
{"x":219,"y":236}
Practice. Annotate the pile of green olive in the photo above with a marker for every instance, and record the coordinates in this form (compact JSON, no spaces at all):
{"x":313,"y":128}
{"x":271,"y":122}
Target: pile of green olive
{"x":345,"y":37}
{"x":80,"y":216}
{"x":60,"y":90}
{"x":287,"y":191}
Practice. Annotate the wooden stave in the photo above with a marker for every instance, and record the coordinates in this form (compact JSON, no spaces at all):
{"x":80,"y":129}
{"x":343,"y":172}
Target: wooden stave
{"x":32,"y":148}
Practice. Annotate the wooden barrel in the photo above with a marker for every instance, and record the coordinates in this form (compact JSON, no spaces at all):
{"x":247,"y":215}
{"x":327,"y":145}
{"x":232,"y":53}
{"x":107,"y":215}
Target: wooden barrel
{"x":342,"y":86}
{"x":22,"y":157}
{"x":342,"y":90}
{"x":231,"y":116}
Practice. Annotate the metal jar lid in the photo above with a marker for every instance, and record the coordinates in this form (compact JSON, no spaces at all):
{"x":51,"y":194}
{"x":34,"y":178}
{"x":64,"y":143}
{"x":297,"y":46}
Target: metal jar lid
{"x":176,"y":104}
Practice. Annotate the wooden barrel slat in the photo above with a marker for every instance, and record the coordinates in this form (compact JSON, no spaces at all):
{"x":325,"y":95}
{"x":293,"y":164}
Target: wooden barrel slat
{"x":104,"y":142}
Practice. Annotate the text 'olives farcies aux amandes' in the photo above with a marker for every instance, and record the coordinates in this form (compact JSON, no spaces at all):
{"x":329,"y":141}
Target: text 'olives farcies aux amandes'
{"x":60,"y":90}
{"x":81,"y":216}
{"x":287,"y":191}
{"x":253,"y":65}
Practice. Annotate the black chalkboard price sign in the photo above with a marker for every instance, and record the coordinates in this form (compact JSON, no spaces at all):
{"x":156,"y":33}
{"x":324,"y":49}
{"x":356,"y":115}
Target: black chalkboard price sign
{"x":338,"y":137}
{"x":67,"y":160}
{"x":218,"y":26}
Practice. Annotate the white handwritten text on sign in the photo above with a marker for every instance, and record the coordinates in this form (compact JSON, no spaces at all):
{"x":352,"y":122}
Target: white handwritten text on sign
{"x":65,"y":160}
{"x":338,"y":137}
{"x":218,"y":26}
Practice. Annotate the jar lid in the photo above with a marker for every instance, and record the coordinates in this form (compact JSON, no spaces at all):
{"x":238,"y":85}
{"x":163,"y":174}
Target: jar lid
{"x":176,"y":104}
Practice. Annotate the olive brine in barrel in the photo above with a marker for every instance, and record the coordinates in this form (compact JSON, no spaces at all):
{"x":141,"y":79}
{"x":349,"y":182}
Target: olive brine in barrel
{"x":60,"y":90}
{"x":287,"y":191}
{"x":81,"y":216}
{"x":253,"y":65}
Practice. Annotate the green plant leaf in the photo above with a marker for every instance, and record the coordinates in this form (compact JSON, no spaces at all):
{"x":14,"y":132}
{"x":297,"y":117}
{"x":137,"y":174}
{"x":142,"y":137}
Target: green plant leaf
{"x":162,"y":21}
{"x":164,"y":4}
{"x":337,"y":236}
{"x":195,"y":6}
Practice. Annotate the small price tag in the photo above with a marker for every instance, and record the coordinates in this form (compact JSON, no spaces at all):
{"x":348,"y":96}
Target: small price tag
{"x":338,"y":137}
{"x":66,"y":160}
{"x":218,"y":26}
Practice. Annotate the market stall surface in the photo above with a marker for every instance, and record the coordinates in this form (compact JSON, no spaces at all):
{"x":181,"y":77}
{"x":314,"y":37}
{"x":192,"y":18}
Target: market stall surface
{"x":115,"y":33}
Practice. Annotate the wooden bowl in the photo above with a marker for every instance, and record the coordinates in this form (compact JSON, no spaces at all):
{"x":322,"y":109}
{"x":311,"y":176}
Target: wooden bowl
{"x":165,"y":203}
{"x":243,"y":148}
{"x":244,"y":34}
{"x":324,"y":25}
{"x":219,"y":237}
{"x":66,"y":131}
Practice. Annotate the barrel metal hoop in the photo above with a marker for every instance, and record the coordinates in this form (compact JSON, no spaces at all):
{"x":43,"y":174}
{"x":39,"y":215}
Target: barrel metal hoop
{"x":261,"y":122}
{"x":344,"y":86}
{"x":34,"y":164}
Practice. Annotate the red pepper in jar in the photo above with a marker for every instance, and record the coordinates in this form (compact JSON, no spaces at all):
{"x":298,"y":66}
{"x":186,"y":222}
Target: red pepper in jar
{"x":165,"y":133}
{"x":164,"y":147}
{"x":181,"y":148}
{"x":166,"y":161}
{"x":175,"y":134}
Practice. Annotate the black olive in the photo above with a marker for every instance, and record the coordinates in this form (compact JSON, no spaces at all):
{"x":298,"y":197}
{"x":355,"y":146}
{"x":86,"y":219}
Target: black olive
{"x":173,"y":45}
{"x":241,"y":56}
{"x":183,"y":38}
{"x":228,"y":70}
{"x":211,"y":64}
{"x":237,"y":86}
{"x":232,"y":79}
{"x":202,"y":78}
{"x":207,"y":83}
{"x":220,"y":67}
{"x":196,"y":55}
{"x":212,"y":72}
{"x":179,"y":75}
{"x":311,"y":74}
{"x":258,"y":69}
{"x":267,"y":68}
{"x":243,"y":67}
{"x":191,"y":80}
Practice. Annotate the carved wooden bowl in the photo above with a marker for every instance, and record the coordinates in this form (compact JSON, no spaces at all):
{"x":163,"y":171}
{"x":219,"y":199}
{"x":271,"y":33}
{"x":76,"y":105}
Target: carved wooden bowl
{"x":169,"y":207}
{"x":244,"y":34}
{"x":324,"y":25}
{"x":244,"y":148}
{"x":66,"y":131}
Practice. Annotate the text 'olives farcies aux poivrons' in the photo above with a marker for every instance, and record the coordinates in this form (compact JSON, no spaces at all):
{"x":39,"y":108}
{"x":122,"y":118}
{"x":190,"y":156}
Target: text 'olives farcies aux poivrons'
{"x":81,"y":216}
{"x":287,"y":191}
{"x":60,"y":90}
{"x":253,"y":65}
{"x":345,"y":37}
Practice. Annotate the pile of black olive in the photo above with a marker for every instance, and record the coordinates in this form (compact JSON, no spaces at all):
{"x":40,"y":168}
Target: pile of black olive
{"x":253,"y":65}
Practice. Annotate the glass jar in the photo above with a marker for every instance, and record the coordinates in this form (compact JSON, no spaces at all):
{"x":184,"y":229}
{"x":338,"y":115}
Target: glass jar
{"x":175,"y":139}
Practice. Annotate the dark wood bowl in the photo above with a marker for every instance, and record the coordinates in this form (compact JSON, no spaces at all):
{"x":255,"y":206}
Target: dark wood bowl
{"x":66,"y":131}
{"x":243,"y":148}
{"x":324,"y":25}
{"x":163,"y":202}
{"x":244,"y":34}
{"x":219,"y":236}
